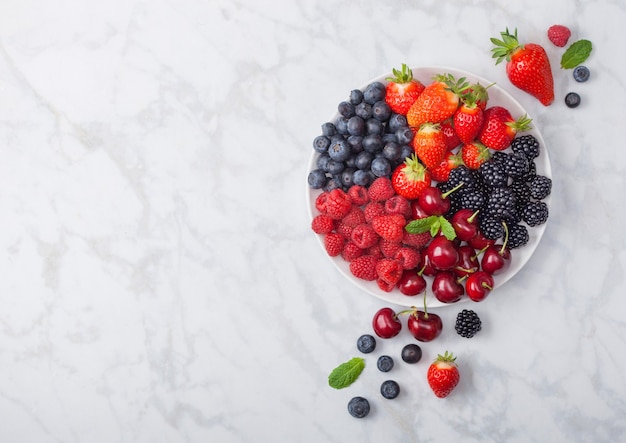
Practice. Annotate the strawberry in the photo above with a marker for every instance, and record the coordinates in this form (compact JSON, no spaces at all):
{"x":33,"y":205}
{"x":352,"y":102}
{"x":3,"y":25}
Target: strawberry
{"x":452,"y":140}
{"x":443,"y":375}
{"x":499,"y":128}
{"x":380,"y":190}
{"x":430,"y":145}
{"x":402,"y":90}
{"x":480,"y":93}
{"x":442,"y":171}
{"x":333,"y":243}
{"x":410,"y":178}
{"x":468,"y":119}
{"x":437,"y":102}
{"x":364,"y":267}
{"x":559,"y":35}
{"x":390,"y":227}
{"x":528,"y":66}
{"x":475,"y":154}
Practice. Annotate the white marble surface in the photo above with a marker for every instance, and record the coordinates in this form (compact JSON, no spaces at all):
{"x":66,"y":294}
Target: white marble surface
{"x":158,"y":278}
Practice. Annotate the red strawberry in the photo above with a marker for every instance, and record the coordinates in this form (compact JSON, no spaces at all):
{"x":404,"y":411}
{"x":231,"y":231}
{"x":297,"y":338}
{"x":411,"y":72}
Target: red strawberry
{"x":437,"y":102}
{"x":430,"y":145}
{"x":452,"y":140}
{"x":559,"y":35}
{"x":468,"y":119}
{"x":475,"y":154}
{"x":410,"y":178}
{"x":364,"y":267}
{"x":380,"y":190}
{"x":443,"y":375}
{"x":333,"y":243}
{"x":389,"y":271}
{"x":499,"y":128}
{"x":402,"y":90}
{"x":480,"y":94}
{"x":322,"y":224}
{"x":527,"y":67}
{"x":442,"y":171}
{"x":389,"y":227}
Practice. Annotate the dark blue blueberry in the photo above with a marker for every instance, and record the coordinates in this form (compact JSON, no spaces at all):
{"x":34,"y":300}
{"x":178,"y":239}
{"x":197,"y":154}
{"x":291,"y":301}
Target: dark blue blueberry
{"x":351,"y":162}
{"x":356,"y":96}
{"x":340,"y":150}
{"x":396,"y":121}
{"x":361,"y":178}
{"x":384,"y":363}
{"x":356,"y":125}
{"x":390,"y":138}
{"x":334,"y":167}
{"x":373,"y":143}
{"x":392,"y":151}
{"x":363,"y":160}
{"x":329,"y":129}
{"x":374,"y":92}
{"x":572,"y":100}
{"x":381,"y":167}
{"x":411,"y":353}
{"x":381,"y":111}
{"x":333,"y":183}
{"x":389,"y":389}
{"x":317,"y":179}
{"x":407,"y":151}
{"x":347,"y":177}
{"x":321,"y":143}
{"x":358,"y":407}
{"x":346,"y":109}
{"x":366,"y":343}
{"x":363,"y":110}
{"x":342,"y":125}
{"x":581,"y":73}
{"x":356,"y":143}
{"x":405,"y":135}
{"x":322,"y":162}
{"x":336,"y":138}
{"x":374,"y":126}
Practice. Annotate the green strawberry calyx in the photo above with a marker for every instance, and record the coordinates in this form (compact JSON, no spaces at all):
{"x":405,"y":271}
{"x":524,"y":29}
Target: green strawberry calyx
{"x":447,"y":357}
{"x":413,"y":169}
{"x":505,"y":47}
{"x":403,"y":75}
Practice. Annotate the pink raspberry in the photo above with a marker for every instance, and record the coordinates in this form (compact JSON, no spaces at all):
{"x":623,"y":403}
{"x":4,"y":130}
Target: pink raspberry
{"x":337,"y":204}
{"x":373,"y":209}
{"x":344,"y":229}
{"x":354,"y":217}
{"x":389,"y":271}
{"x":359,"y":195}
{"x":389,"y":227}
{"x":364,"y":267}
{"x":389,"y":248}
{"x":364,"y":236}
{"x":322,"y":224}
{"x":559,"y":35}
{"x":416,"y":240}
{"x":333,"y":243}
{"x":351,"y":251}
{"x":409,"y":258}
{"x":398,"y":205}
{"x":381,"y":189}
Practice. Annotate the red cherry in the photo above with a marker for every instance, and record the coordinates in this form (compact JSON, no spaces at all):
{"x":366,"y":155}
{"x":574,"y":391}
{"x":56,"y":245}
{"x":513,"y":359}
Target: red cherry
{"x":496,"y":259}
{"x":468,"y":261}
{"x":479,"y":241}
{"x":465,"y":224}
{"x":479,"y":285}
{"x":423,"y":325}
{"x":442,"y":253}
{"x":411,"y":283}
{"x":425,"y":265}
{"x":385,"y":323}
{"x":416,"y":211}
{"x":447,"y":288}
{"x":433,"y":202}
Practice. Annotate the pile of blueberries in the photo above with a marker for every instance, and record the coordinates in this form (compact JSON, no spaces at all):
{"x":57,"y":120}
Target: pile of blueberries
{"x":367,"y":140}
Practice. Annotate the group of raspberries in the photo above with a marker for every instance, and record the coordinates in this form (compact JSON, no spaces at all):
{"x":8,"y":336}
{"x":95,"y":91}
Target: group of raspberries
{"x":365,"y":226}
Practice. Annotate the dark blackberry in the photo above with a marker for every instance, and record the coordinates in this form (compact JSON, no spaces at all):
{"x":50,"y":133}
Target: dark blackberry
{"x":518,"y":236}
{"x":501,"y":203}
{"x":473,"y":199}
{"x":540,"y":187}
{"x":535,"y":213}
{"x":527,"y":145}
{"x":530,"y":174}
{"x":492,"y":174}
{"x":461,"y":174}
{"x":499,"y":157}
{"x":521,"y":191}
{"x":490,"y":227}
{"x":467,"y":323}
{"x":515,"y":165}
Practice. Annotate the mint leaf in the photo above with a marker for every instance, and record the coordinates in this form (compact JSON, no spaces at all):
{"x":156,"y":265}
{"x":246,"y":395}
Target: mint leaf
{"x":346,"y":373}
{"x":576,"y":54}
{"x":447,"y":229}
{"x":435,"y":226}
{"x":421,"y":225}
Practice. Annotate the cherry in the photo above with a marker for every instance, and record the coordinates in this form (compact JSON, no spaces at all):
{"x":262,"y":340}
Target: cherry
{"x":447,"y":288}
{"x":465,"y":224}
{"x":479,"y":241}
{"x":442,"y":253}
{"x":416,"y":210}
{"x":479,"y":285}
{"x":434,"y":202}
{"x":423,"y":325}
{"x":385,"y":323}
{"x":496,"y":259}
{"x":468,"y":261}
{"x":425,"y":266}
{"x":412,"y":282}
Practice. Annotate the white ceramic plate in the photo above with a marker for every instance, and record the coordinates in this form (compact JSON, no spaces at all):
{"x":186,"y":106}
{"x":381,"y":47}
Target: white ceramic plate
{"x":497,"y":96}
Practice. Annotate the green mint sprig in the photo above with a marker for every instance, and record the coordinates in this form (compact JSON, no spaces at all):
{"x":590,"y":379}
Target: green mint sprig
{"x":433,"y":224}
{"x":346,"y":373}
{"x":576,"y":54}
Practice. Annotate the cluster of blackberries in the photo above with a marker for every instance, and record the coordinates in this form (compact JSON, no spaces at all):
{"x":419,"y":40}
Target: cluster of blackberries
{"x":506,"y":190}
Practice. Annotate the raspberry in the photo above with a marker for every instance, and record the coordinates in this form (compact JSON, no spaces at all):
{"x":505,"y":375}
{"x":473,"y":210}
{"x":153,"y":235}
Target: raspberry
{"x":333,"y":243}
{"x":344,"y":230}
{"x":322,"y":224}
{"x":398,"y":205}
{"x":416,"y":240}
{"x":358,"y":194}
{"x":354,"y":217}
{"x":389,"y":227}
{"x":373,"y":209}
{"x":409,"y":258}
{"x":364,"y":236}
{"x":338,"y":204}
{"x":320,"y":202}
{"x":364,"y":267}
{"x":351,"y":251}
{"x":389,"y":271}
{"x":559,"y":35}
{"x":389,"y":248}
{"x":384,"y":286}
{"x":375,"y":251}
{"x":381,"y":189}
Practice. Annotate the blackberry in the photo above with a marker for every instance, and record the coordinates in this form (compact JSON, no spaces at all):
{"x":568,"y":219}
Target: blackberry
{"x":535,"y":213}
{"x":358,"y":407}
{"x":530,"y":174}
{"x":518,"y":236}
{"x":527,"y":145}
{"x":492,"y":174}
{"x":521,"y":191}
{"x":515,"y":165}
{"x":514,"y":216}
{"x":467,"y":323}
{"x":490,"y":227}
{"x":540,"y":187}
{"x":461,"y":174}
{"x":473,"y":199}
{"x":501,"y":203}
{"x":389,"y":389}
{"x":499,"y":157}
{"x":384,"y":363}
{"x":366,"y":343}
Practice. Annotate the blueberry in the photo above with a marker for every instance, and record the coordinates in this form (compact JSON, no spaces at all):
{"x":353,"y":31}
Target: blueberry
{"x":381,"y":111}
{"x":374,"y":92}
{"x":407,"y":151}
{"x":374,"y":126}
{"x":334,"y":167}
{"x":396,"y":121}
{"x":392,"y":151}
{"x":361,"y":178}
{"x":346,"y":109}
{"x":340,"y":150}
{"x":351,"y":162}
{"x":405,"y":135}
{"x":363,"y":160}
{"x":356,"y":125}
{"x":356,"y":96}
{"x":358,"y":407}
{"x":366,"y":343}
{"x":322,"y":162}
{"x":347,"y":177}
{"x":356,"y":143}
{"x":317,"y":179}
{"x":373,"y":143}
{"x":333,"y":183}
{"x":411,"y":353}
{"x":581,"y":73}
{"x":342,"y":125}
{"x":329,"y":129}
{"x":321,"y":143}
{"x":363,"y":110}
{"x":381,"y":167}
{"x":387,"y":137}
{"x":572,"y":100}
{"x":390,"y":389}
{"x":384,"y":363}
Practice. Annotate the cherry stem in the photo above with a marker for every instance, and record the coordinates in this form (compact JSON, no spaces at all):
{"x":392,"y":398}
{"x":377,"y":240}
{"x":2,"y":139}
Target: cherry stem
{"x":486,"y":286}
{"x":425,"y":309}
{"x":480,"y":252}
{"x":506,"y":238}
{"x":473,"y":216}
{"x":457,"y":187}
